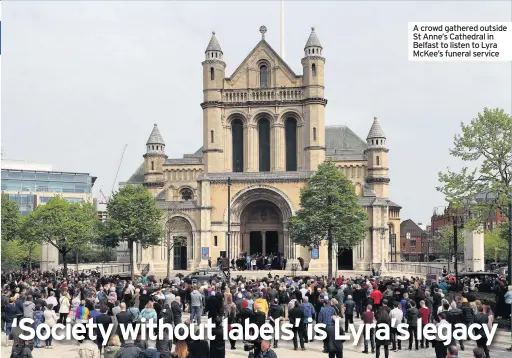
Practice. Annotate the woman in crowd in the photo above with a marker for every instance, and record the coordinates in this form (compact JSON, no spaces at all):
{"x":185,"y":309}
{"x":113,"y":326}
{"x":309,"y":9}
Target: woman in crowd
{"x":64,"y":303}
{"x":114,"y":344}
{"x":50,"y":318}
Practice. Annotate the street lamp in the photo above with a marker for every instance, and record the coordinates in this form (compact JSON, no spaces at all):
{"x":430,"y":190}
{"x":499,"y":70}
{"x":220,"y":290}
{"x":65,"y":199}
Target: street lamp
{"x":228,"y":251}
{"x":382,"y":237}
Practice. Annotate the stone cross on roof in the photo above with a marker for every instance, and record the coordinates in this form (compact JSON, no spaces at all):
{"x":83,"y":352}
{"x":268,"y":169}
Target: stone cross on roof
{"x":263,"y":30}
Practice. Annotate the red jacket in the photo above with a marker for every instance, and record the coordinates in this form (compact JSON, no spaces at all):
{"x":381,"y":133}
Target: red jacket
{"x":424,"y":312}
{"x":377,"y":296}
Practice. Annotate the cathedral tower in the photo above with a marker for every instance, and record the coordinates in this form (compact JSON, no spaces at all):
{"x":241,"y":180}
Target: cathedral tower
{"x":314,"y":109}
{"x":213,"y":84}
{"x":154,"y":159}
{"x":377,"y":153}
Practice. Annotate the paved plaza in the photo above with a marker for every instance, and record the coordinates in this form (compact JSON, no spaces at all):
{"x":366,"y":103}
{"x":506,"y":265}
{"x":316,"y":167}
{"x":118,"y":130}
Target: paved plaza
{"x":498,"y":349}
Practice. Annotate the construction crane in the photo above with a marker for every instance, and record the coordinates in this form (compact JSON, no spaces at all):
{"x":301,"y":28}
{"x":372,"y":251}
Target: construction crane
{"x":118,"y":167}
{"x":105,"y":200}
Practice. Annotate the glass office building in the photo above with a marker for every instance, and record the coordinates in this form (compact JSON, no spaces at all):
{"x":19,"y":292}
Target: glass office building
{"x":30,"y":188}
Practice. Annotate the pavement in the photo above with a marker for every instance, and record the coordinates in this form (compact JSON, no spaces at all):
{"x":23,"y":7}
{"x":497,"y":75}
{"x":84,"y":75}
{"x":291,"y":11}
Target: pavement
{"x":502,"y":340}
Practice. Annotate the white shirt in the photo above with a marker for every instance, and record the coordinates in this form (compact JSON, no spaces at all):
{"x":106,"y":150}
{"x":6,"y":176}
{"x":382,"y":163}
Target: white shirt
{"x":398,"y":315}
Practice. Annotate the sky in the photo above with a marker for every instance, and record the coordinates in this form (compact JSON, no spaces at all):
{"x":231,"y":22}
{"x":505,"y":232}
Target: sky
{"x":83,"y":79}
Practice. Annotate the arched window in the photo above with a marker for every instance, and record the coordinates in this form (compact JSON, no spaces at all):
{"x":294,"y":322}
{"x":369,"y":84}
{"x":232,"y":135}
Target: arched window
{"x":264,"y":144}
{"x":377,"y":160}
{"x":212,"y":74}
{"x":186,"y":194}
{"x":290,"y":134}
{"x":263,"y":76}
{"x":314,"y":133}
{"x":313,"y":70}
{"x":237,"y":136}
{"x":211,"y":136}
{"x":152,"y":165}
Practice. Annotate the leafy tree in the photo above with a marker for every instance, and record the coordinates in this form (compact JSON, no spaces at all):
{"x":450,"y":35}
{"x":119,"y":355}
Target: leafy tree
{"x":443,"y":242}
{"x":66,"y":226}
{"x":10,"y":218}
{"x":135,"y":218}
{"x":329,"y":211}
{"x":486,"y":146}
{"x":15,"y":254}
{"x":30,"y":241}
{"x":494,"y":245}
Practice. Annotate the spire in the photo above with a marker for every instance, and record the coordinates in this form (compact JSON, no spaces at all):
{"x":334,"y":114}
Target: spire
{"x":155,"y":137}
{"x":313,"y":40}
{"x":213,"y":45}
{"x":376,"y":131}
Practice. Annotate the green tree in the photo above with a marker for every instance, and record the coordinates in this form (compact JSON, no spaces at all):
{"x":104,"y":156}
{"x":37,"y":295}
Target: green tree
{"x":443,"y":242}
{"x":10,"y":218}
{"x":29,"y":241}
{"x":485,"y":145}
{"x":66,"y":226}
{"x":329,"y":211}
{"x":494,"y":245}
{"x":134,"y":217}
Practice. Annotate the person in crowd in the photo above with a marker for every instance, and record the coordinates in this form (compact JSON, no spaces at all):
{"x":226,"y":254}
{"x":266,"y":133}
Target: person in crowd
{"x":88,"y":349}
{"x":296,"y":316}
{"x":482,"y":319}
{"x":383,"y":319}
{"x":368,"y":319}
{"x":412,"y":321}
{"x":439,"y":345}
{"x":396,"y":316}
{"x":424,"y":313}
{"x":113,"y":345}
{"x":350,"y":306}
{"x":334,"y":346}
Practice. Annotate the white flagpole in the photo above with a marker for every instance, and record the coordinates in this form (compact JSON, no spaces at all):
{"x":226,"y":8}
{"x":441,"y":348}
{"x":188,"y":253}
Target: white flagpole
{"x":282,"y":29}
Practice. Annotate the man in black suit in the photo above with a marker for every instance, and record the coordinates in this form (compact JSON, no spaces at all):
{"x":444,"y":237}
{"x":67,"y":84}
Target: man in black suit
{"x":123,"y":319}
{"x":102,"y":320}
{"x":481,"y":318}
{"x":296,"y":317}
{"x":334,"y":346}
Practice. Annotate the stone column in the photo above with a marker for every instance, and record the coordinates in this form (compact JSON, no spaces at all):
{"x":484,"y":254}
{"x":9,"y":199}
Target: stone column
{"x":277,"y":156}
{"x":205,"y":222}
{"x":300,"y":146}
{"x":264,"y":244}
{"x":474,"y":243}
{"x":228,"y":154}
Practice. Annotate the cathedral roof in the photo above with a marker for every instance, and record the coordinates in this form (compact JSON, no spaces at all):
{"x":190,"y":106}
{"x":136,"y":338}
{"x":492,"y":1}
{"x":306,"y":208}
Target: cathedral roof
{"x":376,"y":130}
{"x":213,"y":45}
{"x":137,"y":177}
{"x":155,"y":137}
{"x":343,"y":144}
{"x":313,"y":40}
{"x":264,"y":44}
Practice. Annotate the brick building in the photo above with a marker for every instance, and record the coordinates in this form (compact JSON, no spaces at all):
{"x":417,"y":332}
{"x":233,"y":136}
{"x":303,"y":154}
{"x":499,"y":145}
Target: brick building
{"x":413,"y":241}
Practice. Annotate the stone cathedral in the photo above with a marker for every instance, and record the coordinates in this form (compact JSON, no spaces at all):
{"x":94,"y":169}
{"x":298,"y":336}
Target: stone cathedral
{"x":264,"y":128}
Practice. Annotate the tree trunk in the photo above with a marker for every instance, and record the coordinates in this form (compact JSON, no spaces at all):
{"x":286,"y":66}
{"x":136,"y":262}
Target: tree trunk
{"x":65,"y":263}
{"x":329,"y":253}
{"x":132,"y":261}
{"x":168,"y":262}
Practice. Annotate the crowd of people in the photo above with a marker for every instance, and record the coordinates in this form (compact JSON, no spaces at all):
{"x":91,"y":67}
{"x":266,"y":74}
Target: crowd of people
{"x":258,"y":261}
{"x":49,"y":297}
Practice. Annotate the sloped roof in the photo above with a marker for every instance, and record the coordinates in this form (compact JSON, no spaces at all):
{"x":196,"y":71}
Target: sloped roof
{"x":376,"y":130}
{"x":213,"y":45}
{"x":313,"y":40}
{"x":343,"y":144}
{"x":264,"y":43}
{"x":138,"y":176}
{"x":155,"y":137}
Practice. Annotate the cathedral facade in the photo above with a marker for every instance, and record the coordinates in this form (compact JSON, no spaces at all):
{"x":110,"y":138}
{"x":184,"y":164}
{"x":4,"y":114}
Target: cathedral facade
{"x":264,"y":134}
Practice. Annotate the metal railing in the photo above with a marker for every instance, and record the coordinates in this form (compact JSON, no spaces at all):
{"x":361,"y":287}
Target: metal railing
{"x":413,"y":268}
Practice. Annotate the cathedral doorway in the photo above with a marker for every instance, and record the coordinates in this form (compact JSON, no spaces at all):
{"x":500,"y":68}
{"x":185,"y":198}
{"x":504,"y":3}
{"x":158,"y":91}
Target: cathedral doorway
{"x":180,"y":258}
{"x":262,"y":228}
{"x":345,"y":260}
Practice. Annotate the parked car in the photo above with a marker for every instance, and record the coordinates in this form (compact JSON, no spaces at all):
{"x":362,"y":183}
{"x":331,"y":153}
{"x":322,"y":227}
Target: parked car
{"x":202,"y":276}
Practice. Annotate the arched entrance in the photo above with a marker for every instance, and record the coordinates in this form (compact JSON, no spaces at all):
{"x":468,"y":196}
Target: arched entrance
{"x":259,"y":217}
{"x":345,"y":259}
{"x":179,"y":238}
{"x":261,"y":224}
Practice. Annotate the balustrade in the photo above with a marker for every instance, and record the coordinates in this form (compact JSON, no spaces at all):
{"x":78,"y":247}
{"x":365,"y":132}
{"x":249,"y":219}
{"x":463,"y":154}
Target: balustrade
{"x":263,"y":94}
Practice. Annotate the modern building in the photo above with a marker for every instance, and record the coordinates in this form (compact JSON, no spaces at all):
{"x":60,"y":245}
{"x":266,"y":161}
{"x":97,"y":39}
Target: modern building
{"x":264,"y":130}
{"x":33,"y":184}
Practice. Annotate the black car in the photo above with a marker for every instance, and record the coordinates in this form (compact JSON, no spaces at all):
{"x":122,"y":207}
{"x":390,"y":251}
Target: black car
{"x":202,"y":276}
